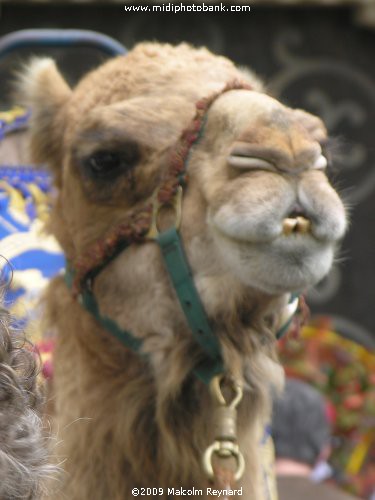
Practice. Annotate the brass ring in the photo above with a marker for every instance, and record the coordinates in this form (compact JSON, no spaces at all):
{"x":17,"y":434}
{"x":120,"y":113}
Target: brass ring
{"x":224,"y":449}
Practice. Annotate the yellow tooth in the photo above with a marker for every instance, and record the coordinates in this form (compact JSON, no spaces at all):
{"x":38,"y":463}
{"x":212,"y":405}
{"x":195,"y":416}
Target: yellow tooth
{"x":288,"y":225}
{"x":296,"y":225}
{"x":303,"y":225}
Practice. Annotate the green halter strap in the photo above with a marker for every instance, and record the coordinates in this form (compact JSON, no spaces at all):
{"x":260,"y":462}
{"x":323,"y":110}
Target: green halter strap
{"x":181,"y":277}
{"x":182,"y":280}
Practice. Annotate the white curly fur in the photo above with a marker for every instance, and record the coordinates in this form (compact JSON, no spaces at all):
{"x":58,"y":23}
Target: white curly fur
{"x":23,"y":451}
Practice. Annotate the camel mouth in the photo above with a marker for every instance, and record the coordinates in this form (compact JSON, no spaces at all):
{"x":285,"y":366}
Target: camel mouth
{"x":296,"y":225}
{"x":298,"y":231}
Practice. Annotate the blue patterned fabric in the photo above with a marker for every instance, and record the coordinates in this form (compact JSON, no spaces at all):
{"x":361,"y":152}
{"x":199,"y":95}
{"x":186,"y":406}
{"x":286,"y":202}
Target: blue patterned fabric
{"x":30,"y":257}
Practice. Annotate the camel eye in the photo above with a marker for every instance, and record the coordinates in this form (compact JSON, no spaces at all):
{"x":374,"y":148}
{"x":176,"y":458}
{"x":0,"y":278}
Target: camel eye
{"x":103,"y":162}
{"x":110,"y":164}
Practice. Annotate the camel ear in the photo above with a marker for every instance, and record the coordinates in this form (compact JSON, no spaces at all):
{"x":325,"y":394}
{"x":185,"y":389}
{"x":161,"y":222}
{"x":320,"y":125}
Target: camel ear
{"x":312,"y":124}
{"x":42,"y":89}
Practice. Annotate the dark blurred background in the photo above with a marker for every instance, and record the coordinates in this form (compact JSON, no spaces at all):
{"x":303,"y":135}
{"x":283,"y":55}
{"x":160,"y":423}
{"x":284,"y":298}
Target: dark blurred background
{"x":316,"y":57}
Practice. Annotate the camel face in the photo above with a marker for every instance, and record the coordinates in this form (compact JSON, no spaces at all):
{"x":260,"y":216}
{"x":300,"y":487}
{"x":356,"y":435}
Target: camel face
{"x":257,"y":173}
{"x":258,"y":200}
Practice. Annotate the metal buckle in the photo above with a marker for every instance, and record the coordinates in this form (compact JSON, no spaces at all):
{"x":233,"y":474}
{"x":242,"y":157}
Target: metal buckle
{"x":215,"y":388}
{"x":175,"y":203}
{"x":225,"y":444}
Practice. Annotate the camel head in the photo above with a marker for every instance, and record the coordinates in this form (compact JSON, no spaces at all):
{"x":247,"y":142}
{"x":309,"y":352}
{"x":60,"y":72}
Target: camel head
{"x":173,"y":137}
{"x":258,"y":211}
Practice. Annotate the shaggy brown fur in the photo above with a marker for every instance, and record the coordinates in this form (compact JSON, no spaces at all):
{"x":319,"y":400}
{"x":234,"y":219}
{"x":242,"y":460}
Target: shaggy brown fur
{"x":23,"y":450}
{"x":123,"y":421}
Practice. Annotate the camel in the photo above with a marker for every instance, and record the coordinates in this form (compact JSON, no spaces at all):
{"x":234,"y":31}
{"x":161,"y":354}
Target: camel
{"x":172,"y":154}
